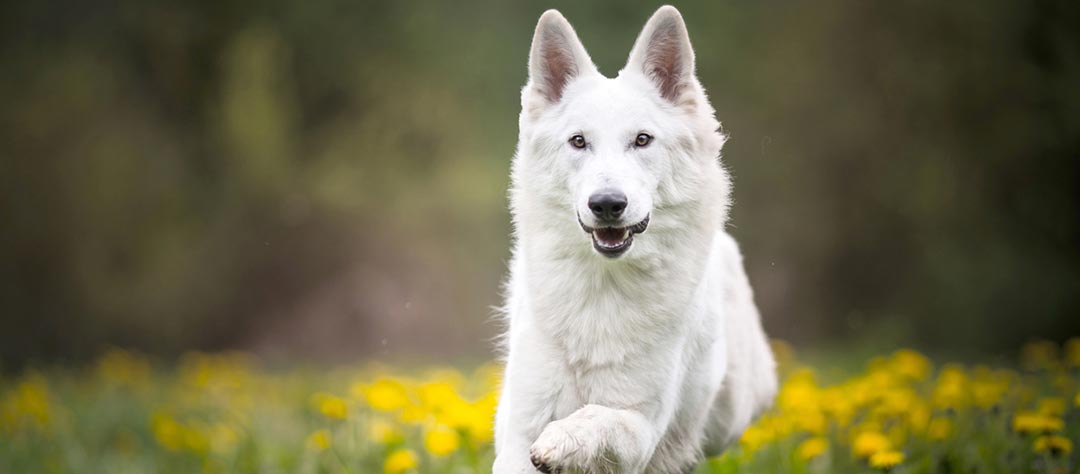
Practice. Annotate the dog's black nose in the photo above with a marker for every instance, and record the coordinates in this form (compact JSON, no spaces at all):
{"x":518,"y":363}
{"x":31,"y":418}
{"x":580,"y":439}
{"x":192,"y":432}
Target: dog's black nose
{"x":607,"y":204}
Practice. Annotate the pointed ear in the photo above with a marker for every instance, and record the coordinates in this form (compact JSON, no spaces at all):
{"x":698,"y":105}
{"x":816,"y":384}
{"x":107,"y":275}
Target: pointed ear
{"x":663,"y":53}
{"x":556,"y":58}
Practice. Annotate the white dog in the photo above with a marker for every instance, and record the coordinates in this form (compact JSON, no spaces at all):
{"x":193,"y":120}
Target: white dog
{"x":634,"y":342}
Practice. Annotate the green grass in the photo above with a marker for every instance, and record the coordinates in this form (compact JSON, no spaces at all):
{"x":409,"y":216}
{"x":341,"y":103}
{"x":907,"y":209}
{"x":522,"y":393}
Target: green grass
{"x":224,"y":413}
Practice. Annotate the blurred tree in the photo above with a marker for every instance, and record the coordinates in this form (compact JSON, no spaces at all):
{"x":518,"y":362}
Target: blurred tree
{"x":328,"y":178}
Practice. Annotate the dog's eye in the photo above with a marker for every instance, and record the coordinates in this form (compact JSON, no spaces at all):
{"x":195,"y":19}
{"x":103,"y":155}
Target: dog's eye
{"x":643,"y":139}
{"x":577,"y":141}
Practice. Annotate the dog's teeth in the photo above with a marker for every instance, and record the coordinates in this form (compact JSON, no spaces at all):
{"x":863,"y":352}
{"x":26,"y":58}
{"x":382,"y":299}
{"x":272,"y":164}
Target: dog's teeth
{"x":612,"y":238}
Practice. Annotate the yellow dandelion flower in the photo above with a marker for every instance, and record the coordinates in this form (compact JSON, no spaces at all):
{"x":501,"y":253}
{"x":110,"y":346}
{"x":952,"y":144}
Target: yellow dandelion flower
{"x":1039,"y":355}
{"x":1076,"y":401}
{"x":810,"y":421}
{"x":1072,"y":352}
{"x":445,"y":405}
{"x":896,"y":402}
{"x":1054,"y":445}
{"x":400,"y":461}
{"x":1026,"y":422}
{"x":868,"y":443}
{"x":910,"y":364}
{"x":331,"y":406}
{"x":1051,"y":406}
{"x":385,"y":394}
{"x":413,"y":414}
{"x":438,"y":395}
{"x":918,"y":417}
{"x":838,"y":406}
{"x":384,"y":432}
{"x":479,"y":420}
{"x":167,"y":431}
{"x":30,"y":400}
{"x":195,"y":439}
{"x":986,"y":394}
{"x":799,"y":392}
{"x":441,"y":441}
{"x":755,"y":437}
{"x":230,"y":370}
{"x":1034,"y":422}
{"x":939,"y":429}
{"x":951,"y":390}
{"x":1052,"y":424}
{"x":320,"y":440}
{"x":123,"y":367}
{"x":451,"y":377}
{"x":812,"y":448}
{"x":886,"y":460}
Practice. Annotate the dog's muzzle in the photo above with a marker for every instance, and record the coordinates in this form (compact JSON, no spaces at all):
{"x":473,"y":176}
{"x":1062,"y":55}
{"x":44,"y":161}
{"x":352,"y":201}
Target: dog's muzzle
{"x":612,"y":242}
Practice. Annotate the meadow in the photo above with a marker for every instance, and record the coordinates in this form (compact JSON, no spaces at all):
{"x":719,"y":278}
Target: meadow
{"x":226,"y":412}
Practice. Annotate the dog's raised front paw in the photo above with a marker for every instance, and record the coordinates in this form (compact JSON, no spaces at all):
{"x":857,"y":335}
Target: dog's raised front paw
{"x":539,"y":463}
{"x":552,"y":451}
{"x":569,"y":446}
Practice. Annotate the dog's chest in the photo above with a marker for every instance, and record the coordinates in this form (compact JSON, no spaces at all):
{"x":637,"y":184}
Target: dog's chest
{"x":605,"y":323}
{"x":608,"y":315}
{"x":614,"y":339}
{"x":616,"y":335}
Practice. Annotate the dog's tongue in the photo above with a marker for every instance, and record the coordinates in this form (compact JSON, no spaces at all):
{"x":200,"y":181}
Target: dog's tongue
{"x":611,"y":236}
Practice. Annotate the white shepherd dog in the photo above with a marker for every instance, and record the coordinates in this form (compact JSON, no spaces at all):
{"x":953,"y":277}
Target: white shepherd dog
{"x":634,"y":342}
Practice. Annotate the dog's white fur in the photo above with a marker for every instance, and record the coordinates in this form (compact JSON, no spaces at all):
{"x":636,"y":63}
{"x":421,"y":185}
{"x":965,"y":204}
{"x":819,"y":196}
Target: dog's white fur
{"x":648,"y":361}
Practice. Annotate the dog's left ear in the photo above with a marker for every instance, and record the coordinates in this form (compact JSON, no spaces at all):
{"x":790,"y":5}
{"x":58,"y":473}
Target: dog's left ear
{"x":556,"y":58}
{"x":663,"y":53}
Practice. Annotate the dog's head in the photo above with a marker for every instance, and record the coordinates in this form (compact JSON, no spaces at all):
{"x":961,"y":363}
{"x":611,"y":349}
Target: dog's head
{"x":617,"y":152}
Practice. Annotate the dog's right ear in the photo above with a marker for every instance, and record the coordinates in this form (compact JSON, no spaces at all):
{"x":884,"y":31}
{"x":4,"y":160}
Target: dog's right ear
{"x":556,"y":58}
{"x":663,"y":53}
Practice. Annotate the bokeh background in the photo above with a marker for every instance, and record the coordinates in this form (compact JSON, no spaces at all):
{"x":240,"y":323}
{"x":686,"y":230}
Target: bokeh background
{"x":326,"y":180}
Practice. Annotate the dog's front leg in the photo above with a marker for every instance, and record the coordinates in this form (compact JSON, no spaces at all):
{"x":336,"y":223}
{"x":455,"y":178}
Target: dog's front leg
{"x":595,"y":439}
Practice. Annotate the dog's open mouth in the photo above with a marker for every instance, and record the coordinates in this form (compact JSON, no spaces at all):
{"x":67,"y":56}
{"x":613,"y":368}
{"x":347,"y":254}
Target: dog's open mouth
{"x":614,"y":241}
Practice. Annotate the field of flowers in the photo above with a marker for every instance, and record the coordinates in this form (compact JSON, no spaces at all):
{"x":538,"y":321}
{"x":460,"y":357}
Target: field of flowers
{"x":224,"y":413}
